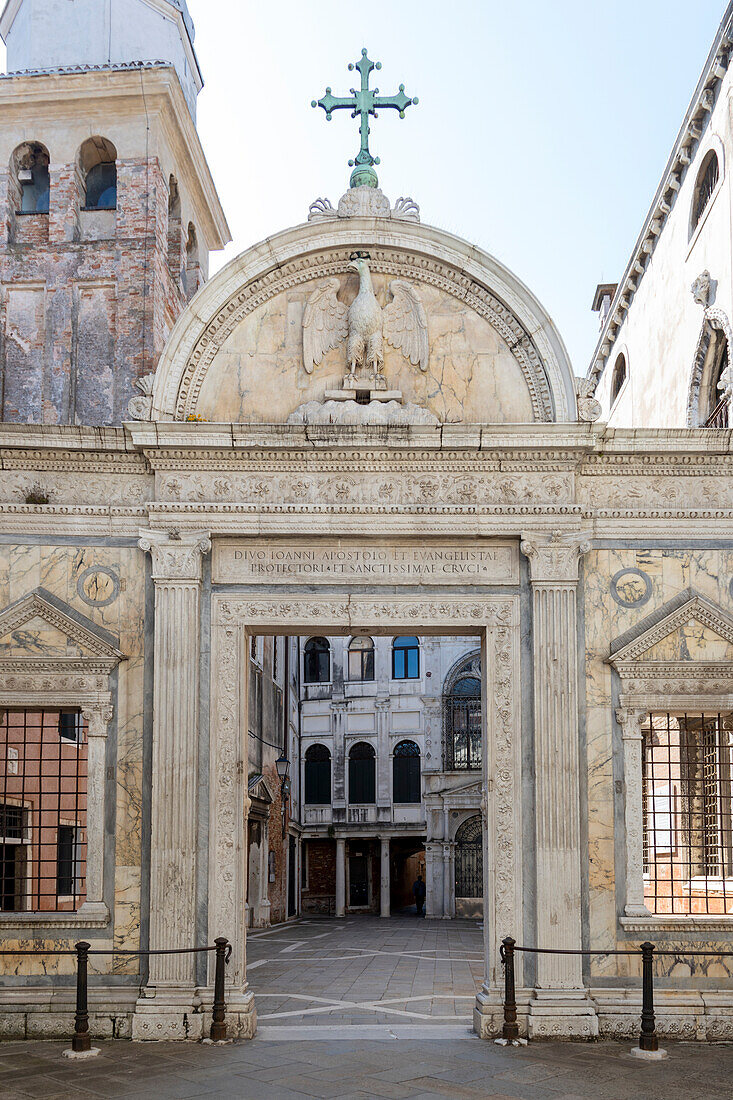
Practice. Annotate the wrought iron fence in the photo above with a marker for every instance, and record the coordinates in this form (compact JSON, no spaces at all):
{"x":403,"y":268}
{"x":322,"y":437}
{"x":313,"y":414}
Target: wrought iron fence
{"x":81,"y":1040}
{"x":648,"y":1039}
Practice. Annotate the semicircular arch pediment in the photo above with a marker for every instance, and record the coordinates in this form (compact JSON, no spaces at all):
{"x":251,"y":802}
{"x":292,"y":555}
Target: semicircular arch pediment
{"x":241,"y":337}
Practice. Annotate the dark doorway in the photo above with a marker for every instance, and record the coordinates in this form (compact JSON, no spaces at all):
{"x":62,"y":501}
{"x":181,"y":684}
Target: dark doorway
{"x":407,"y":861}
{"x":291,"y":877}
{"x":358,"y":880}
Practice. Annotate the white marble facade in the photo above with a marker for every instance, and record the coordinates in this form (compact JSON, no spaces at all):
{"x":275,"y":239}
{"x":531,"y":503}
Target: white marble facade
{"x":589,"y":568}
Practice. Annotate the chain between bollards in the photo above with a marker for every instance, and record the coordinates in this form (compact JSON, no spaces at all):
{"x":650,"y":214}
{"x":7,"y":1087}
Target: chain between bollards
{"x":510,"y":1030}
{"x":81,"y":1041}
{"x":218,"y":1031}
{"x":648,"y":1036}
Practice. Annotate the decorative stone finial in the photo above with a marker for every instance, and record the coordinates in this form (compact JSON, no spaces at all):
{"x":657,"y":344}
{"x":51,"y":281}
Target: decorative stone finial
{"x":363,"y":103}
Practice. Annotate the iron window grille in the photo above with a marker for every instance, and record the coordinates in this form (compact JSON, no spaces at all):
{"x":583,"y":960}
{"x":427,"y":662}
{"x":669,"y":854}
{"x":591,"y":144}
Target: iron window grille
{"x":43,"y":809}
{"x":405,"y":659}
{"x":362,"y":774}
{"x":406,"y":772}
{"x":462,"y":720}
{"x":361,"y":659}
{"x":318,"y":776}
{"x":707,"y":182}
{"x":686,"y":807}
{"x":317,"y":661}
{"x":469,"y":859}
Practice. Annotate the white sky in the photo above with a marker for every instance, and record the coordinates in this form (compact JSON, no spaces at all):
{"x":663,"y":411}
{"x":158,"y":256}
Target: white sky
{"x":541,"y":132}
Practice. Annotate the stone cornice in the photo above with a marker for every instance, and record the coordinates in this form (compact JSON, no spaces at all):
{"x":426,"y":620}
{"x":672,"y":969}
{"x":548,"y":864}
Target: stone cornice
{"x":155,"y":92}
{"x":697,"y":116}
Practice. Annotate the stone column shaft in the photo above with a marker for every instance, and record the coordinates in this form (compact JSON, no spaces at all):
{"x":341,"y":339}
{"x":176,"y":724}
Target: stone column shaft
{"x":340,"y":877}
{"x":384,"y":885}
{"x":97,"y":719}
{"x":630,"y":720}
{"x":174,"y":826}
{"x":554,"y":569}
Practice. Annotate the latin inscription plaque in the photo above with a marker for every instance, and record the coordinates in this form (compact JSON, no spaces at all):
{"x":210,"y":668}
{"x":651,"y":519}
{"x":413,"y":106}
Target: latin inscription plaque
{"x":302,"y":561}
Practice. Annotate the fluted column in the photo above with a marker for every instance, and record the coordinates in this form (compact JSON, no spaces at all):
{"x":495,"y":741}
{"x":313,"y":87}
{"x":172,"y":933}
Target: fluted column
{"x":554,"y":573}
{"x":630,"y":719}
{"x":340,"y":876}
{"x":176,"y":563}
{"x":97,"y":717}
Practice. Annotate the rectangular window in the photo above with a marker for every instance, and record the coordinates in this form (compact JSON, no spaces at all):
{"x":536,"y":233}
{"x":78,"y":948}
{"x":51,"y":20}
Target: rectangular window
{"x":686,"y":807}
{"x":43,"y":785}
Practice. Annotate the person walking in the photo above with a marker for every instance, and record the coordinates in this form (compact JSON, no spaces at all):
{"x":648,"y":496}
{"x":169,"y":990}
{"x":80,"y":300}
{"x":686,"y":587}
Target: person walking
{"x":418,"y":889}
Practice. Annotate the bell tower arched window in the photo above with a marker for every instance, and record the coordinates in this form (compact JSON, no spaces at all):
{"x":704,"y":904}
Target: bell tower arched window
{"x":30,"y":175}
{"x":98,"y":166}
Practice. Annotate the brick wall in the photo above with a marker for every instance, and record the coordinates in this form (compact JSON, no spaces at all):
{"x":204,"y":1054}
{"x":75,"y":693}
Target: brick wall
{"x":320,"y":894}
{"x":87,"y":299}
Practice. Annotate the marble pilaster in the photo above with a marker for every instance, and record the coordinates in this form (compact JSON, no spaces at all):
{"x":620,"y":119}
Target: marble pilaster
{"x":97,"y":717}
{"x":630,"y":719}
{"x":554,"y":575}
{"x":176,"y":569}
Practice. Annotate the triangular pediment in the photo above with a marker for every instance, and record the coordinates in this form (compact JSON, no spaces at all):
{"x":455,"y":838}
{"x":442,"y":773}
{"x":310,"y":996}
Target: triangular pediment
{"x":687,"y":630}
{"x":40,"y":625}
{"x":258,"y":788}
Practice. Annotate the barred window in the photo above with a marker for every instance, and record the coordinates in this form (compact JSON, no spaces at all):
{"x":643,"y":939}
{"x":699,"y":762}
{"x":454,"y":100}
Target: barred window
{"x":43,"y":809}
{"x":462,"y":711}
{"x":686,"y":807}
{"x":707,"y":181}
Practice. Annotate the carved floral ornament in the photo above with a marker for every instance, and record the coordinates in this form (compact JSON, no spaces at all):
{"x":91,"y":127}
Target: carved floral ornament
{"x":176,"y":556}
{"x":327,"y":264}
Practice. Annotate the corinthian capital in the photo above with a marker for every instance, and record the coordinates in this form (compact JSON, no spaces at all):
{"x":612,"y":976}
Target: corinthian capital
{"x":175,"y":556}
{"x":97,"y":717}
{"x":555,"y":559}
{"x":630,"y":719}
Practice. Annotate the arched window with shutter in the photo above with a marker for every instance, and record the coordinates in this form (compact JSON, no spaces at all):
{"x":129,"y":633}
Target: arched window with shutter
{"x":361,"y":659}
{"x":317,"y":661}
{"x":707,"y":182}
{"x":406,"y":772}
{"x":362,"y":774}
{"x":318,"y":776}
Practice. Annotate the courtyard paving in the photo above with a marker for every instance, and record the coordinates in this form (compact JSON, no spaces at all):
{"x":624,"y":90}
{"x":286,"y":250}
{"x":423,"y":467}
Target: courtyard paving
{"x":365,"y":1008}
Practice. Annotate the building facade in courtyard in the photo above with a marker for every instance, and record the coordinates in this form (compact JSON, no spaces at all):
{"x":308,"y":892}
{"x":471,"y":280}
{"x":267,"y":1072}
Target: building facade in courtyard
{"x":364,"y":429}
{"x":391,"y":774}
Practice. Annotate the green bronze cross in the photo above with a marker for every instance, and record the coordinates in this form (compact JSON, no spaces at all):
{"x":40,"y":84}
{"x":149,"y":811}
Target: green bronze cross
{"x":364,"y":103}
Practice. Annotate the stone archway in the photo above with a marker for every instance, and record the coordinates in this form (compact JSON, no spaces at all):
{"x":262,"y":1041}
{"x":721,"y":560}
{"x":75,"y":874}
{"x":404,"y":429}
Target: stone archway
{"x":495,"y":618}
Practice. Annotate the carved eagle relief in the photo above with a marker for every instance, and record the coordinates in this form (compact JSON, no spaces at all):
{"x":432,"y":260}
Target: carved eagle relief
{"x":327,"y":322}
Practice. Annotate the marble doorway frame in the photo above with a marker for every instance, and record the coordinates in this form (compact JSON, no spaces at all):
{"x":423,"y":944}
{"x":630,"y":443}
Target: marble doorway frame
{"x":236,"y":615}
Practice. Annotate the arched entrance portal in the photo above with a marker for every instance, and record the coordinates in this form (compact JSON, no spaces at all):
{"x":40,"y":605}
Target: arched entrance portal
{"x":238,"y":614}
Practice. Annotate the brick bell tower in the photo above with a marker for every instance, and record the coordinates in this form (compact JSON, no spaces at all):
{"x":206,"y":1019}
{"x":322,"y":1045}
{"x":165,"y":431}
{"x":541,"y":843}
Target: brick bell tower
{"x":108,"y":210}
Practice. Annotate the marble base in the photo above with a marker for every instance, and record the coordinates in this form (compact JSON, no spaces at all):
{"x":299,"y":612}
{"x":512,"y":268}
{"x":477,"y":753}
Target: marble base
{"x":649,"y":1055}
{"x":488,"y":1014}
{"x":562,"y":1014}
{"x":349,"y":393}
{"x":80,"y":1054}
{"x":171,"y":1015}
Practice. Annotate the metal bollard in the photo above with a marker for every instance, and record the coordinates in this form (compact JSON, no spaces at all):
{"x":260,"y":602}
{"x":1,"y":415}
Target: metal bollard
{"x":81,"y":1041}
{"x":218,"y":1031}
{"x":648,"y":1037}
{"x":510,"y":1030}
